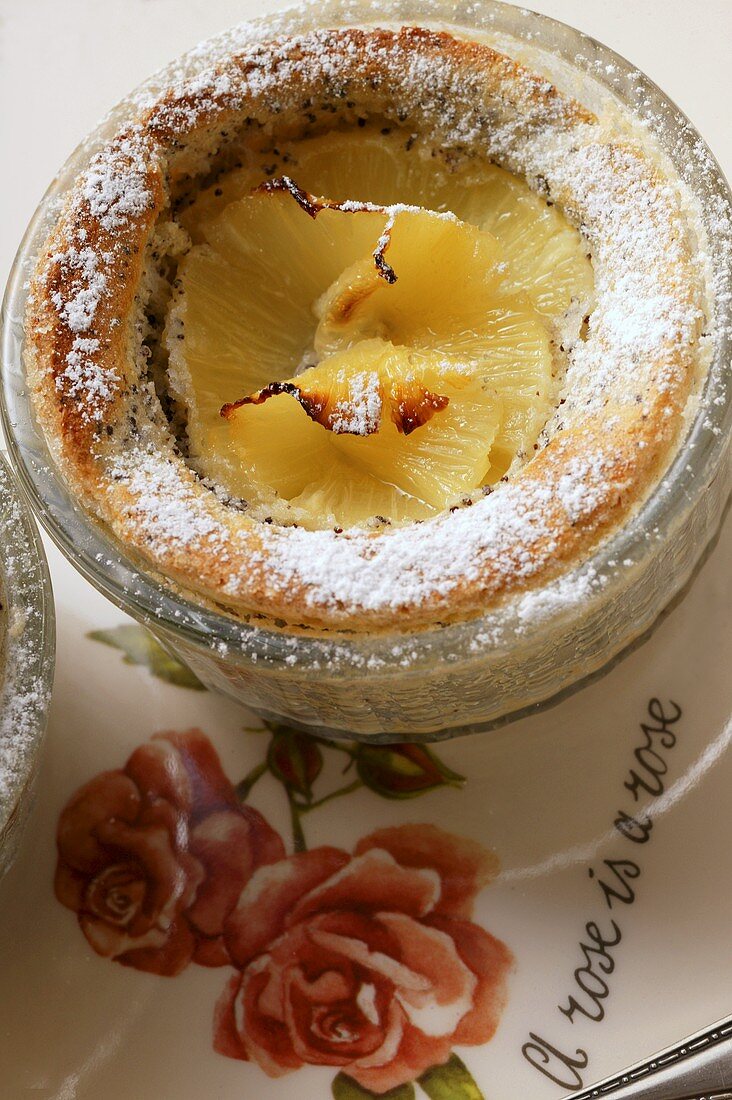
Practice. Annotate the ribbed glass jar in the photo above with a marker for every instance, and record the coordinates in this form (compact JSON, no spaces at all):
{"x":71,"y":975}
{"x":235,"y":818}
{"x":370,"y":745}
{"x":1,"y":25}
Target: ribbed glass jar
{"x":453,"y":679}
{"x":27,"y":641}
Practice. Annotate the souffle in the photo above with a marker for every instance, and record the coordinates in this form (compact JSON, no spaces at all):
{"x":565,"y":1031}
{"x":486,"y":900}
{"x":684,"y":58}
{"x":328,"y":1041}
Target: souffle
{"x":366,"y":330}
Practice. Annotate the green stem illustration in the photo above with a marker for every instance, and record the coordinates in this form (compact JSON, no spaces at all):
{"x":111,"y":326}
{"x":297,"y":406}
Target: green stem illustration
{"x":296,"y":809}
{"x":244,"y":787}
{"x":333,"y":794}
{"x":296,"y":760}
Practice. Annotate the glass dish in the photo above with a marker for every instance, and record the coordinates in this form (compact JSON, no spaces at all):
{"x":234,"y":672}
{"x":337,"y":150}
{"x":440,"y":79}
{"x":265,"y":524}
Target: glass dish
{"x":27,"y":642}
{"x":469,"y":676}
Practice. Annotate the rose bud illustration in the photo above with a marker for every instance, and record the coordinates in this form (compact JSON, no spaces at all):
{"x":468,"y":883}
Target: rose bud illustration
{"x":295,"y":759}
{"x":403,"y":770}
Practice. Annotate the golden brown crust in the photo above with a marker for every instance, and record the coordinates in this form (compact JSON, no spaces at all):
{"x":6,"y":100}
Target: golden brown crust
{"x":111,"y":439}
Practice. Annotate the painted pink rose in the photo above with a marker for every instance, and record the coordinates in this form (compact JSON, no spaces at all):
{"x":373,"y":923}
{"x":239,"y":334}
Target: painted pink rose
{"x":153,"y":857}
{"x":369,"y":963}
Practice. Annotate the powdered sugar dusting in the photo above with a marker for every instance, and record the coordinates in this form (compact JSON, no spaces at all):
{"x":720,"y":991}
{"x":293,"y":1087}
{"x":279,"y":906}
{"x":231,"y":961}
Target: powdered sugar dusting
{"x":87,"y":286}
{"x":360,"y":413}
{"x":511,"y":532}
{"x":114,"y":191}
{"x":163,"y":503}
{"x":582,"y":486}
{"x":648,"y":321}
{"x":115,"y":185}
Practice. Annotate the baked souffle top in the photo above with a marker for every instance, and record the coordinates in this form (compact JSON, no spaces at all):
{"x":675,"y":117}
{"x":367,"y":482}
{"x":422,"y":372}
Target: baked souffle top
{"x":367,"y":329}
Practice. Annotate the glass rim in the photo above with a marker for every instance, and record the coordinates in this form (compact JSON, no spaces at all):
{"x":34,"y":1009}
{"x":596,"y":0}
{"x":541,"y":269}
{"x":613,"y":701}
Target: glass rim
{"x":158,"y":602}
{"x":29,"y":600}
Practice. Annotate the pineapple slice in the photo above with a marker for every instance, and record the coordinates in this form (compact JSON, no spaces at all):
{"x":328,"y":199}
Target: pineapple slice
{"x":447,"y":276}
{"x":449,"y":298}
{"x":243,"y":312}
{"x":545,"y":255}
{"x":381,"y":299}
{"x":274,"y":290}
{"x":375,"y":430}
{"x":373,"y":167}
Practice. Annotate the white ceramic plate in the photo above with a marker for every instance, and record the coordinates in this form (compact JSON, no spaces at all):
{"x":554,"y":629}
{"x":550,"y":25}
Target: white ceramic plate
{"x":545,"y":795}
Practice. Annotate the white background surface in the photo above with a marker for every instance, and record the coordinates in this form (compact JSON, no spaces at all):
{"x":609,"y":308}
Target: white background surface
{"x":63,"y":63}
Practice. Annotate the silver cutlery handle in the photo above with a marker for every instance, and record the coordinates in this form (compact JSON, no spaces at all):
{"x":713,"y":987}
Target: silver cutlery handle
{"x":699,"y":1068}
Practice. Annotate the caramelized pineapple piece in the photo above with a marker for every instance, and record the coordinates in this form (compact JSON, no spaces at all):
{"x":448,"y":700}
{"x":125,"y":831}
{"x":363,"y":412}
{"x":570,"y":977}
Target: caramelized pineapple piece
{"x":312,"y":325}
{"x":243,"y":316}
{"x":545,"y":256}
{"x":449,"y":298}
{"x":375,"y":430}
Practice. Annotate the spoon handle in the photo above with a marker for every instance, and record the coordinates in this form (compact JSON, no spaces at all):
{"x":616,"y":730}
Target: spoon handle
{"x":699,"y":1068}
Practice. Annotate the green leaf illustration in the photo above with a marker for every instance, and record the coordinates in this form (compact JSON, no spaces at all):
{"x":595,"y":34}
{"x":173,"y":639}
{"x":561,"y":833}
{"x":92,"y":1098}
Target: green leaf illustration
{"x":403,"y":770}
{"x":141,"y":648}
{"x":345,"y":1088}
{"x":452,"y":1081}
